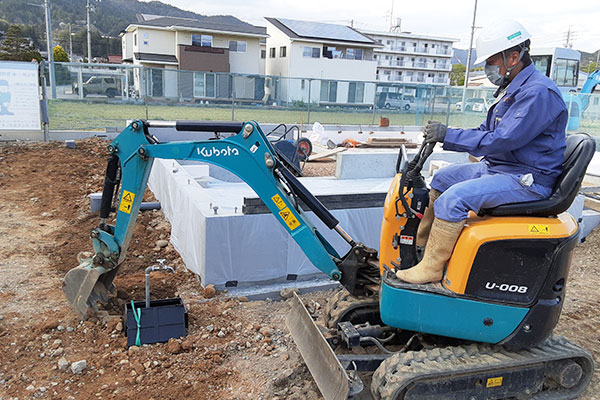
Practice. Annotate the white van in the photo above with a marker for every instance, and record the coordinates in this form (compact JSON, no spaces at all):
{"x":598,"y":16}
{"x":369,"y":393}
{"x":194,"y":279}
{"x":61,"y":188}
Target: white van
{"x":396,"y":100}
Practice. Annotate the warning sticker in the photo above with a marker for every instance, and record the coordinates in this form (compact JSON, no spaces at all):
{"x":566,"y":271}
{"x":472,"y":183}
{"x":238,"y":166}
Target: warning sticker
{"x":539,"y":229}
{"x":278,"y":201}
{"x":126,"y":202}
{"x":494,"y":382}
{"x":406,"y":239}
{"x":289,"y":218}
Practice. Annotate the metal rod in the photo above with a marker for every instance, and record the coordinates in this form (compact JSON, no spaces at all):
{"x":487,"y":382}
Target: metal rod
{"x":344,"y":235}
{"x":308,"y":104}
{"x":161,"y":124}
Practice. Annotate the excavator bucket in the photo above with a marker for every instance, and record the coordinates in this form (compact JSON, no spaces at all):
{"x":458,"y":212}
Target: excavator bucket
{"x":85,"y":285}
{"x":328,"y":373}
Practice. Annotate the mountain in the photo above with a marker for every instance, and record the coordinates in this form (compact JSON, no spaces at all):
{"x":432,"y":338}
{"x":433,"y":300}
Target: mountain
{"x":587,"y":58}
{"x":460,"y":57}
{"x":110,"y":16}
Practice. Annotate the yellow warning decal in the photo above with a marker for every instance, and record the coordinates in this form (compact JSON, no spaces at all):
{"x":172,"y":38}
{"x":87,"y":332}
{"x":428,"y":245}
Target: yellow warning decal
{"x":126,"y":202}
{"x":278,"y":201}
{"x":494,"y":382}
{"x":538,"y":229}
{"x":289,"y":218}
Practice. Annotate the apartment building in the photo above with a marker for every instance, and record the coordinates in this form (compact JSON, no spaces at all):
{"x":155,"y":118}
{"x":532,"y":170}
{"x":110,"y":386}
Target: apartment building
{"x":411,"y":58}
{"x":209,"y":45}
{"x":315,"y":61}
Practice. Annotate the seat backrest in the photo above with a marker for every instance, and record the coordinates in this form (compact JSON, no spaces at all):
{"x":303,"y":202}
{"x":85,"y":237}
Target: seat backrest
{"x":578,"y":154}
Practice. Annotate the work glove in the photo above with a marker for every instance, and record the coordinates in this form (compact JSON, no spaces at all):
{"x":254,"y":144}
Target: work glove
{"x":435,"y":132}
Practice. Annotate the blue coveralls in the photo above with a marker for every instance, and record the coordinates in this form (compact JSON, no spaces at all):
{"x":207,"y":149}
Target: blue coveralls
{"x":524,"y":133}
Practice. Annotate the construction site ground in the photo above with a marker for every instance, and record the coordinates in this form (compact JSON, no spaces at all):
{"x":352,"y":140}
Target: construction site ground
{"x":235,"y":349}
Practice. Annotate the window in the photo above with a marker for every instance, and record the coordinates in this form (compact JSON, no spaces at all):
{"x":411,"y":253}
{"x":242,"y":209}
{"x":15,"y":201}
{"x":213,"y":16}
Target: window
{"x":204,"y":84}
{"x":595,"y":101}
{"x":302,"y":84}
{"x":542,"y":64}
{"x":198,"y":84}
{"x":282,"y":51}
{"x":202,"y":40}
{"x":110,"y":81}
{"x":566,"y":72}
{"x":356,"y":92}
{"x":354,"y":54}
{"x":272,"y":52}
{"x":329,"y":91}
{"x":263,"y":53}
{"x":311,"y":52}
{"x":135,"y":39}
{"x":237,"y":46}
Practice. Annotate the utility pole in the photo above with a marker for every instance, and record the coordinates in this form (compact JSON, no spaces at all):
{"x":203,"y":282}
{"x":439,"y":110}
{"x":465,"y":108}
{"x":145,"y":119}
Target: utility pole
{"x":568,"y":43}
{"x":50,"y":49}
{"x":70,"y":44}
{"x":89,"y":35}
{"x":467,"y":72}
{"x":392,"y":16}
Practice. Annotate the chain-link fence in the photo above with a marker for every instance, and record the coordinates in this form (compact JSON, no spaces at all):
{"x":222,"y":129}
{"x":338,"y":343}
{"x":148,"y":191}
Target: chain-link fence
{"x":99,"y":96}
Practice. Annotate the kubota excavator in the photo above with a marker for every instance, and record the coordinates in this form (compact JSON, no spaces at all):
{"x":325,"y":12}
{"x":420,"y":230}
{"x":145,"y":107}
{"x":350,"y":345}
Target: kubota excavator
{"x":484,"y":332}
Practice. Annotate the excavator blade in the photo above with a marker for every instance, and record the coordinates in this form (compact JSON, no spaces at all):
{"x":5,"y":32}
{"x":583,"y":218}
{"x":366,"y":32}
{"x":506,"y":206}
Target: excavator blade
{"x":83,"y":287}
{"x":328,"y":373}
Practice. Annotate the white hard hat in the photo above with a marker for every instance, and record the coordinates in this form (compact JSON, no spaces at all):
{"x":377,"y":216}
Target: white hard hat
{"x":498,"y":37}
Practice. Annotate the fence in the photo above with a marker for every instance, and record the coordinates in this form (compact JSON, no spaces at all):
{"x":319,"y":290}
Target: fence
{"x":121,"y":92}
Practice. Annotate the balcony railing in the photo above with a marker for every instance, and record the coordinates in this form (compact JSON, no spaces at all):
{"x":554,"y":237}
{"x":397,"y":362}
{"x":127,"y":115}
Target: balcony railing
{"x":418,"y":50}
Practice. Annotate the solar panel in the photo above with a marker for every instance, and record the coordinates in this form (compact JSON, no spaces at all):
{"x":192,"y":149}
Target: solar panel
{"x":324,"y":31}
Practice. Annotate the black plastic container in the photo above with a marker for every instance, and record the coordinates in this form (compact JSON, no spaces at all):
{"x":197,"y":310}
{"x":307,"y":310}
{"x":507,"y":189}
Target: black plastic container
{"x":165,"y":319}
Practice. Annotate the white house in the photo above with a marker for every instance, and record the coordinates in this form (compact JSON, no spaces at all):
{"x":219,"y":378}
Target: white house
{"x":210,"y":45}
{"x":411,"y":58}
{"x":319,"y":59}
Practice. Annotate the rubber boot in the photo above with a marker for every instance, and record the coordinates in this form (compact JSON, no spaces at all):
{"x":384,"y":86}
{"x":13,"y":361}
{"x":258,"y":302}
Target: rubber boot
{"x":442,"y":239}
{"x":425,"y":224}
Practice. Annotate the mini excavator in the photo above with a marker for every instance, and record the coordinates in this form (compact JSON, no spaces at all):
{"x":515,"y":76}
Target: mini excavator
{"x":483,"y":332}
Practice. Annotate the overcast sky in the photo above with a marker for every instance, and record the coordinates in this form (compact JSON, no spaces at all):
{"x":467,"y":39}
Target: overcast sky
{"x":547,"y":20}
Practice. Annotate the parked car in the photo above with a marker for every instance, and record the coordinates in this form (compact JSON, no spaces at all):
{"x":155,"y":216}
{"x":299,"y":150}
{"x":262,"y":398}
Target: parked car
{"x":396,"y":100}
{"x":473,"y":104}
{"x":105,"y":85}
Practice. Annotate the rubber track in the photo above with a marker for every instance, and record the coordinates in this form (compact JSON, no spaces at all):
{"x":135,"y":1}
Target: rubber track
{"x":342,"y":302}
{"x":400,"y":370}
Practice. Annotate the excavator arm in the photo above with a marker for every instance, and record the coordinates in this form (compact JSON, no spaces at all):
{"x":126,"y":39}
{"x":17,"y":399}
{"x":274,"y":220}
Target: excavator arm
{"x":249,"y":155}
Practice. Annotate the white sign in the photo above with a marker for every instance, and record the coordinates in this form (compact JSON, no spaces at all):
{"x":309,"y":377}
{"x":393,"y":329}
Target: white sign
{"x":19,"y":96}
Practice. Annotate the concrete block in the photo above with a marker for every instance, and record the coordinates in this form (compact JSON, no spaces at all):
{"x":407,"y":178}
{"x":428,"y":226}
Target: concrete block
{"x":591,"y":220}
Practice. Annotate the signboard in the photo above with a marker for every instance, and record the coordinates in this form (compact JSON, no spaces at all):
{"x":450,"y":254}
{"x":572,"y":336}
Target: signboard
{"x":19,"y":96}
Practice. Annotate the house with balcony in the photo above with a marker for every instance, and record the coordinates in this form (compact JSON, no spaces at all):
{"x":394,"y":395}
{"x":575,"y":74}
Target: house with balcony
{"x":322,"y":63}
{"x":411,"y":58}
{"x":207,"y":48}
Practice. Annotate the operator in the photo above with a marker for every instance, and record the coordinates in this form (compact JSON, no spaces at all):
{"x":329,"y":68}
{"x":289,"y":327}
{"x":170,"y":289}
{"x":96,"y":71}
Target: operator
{"x":522,"y":142}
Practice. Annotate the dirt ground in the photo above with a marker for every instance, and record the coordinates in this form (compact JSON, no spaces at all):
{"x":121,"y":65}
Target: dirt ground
{"x":235,"y":349}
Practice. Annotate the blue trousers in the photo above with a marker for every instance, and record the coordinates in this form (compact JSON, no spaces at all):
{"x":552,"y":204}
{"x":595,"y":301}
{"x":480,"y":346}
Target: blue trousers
{"x":471,"y":187}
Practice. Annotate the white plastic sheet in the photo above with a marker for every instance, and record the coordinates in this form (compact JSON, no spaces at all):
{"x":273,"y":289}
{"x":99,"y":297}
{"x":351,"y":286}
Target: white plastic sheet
{"x":230,"y":246}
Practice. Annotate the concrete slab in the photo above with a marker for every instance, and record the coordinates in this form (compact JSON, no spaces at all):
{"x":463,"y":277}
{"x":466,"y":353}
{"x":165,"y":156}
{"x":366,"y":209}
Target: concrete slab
{"x":381,"y":163}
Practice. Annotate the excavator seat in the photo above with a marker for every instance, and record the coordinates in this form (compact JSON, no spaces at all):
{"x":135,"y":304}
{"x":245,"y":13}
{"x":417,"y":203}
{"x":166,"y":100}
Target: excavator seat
{"x":578,"y":154}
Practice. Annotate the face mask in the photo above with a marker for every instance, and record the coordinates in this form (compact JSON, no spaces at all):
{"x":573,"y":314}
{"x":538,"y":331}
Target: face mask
{"x":493,"y":74}
{"x":493,"y":71}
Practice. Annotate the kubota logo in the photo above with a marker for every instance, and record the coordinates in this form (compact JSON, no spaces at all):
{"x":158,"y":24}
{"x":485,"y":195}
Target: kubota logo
{"x":226,"y":152}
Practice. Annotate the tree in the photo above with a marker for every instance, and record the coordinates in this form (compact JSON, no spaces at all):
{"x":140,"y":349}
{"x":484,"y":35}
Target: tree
{"x":457,"y":76}
{"x":15,"y":47}
{"x":60,"y":55}
{"x":591,"y":67}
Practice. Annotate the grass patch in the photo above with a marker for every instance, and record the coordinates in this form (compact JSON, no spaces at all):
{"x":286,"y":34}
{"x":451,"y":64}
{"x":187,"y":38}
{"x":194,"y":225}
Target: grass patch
{"x":89,"y":115}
